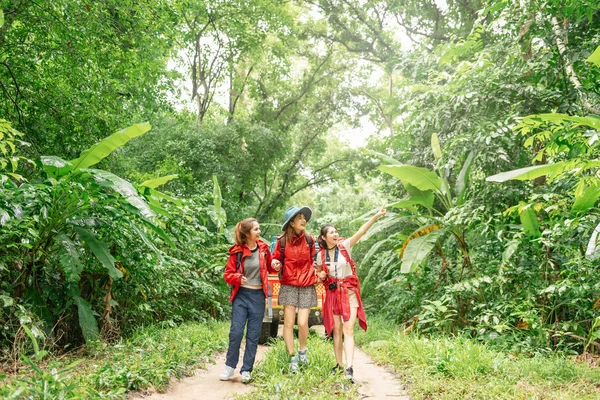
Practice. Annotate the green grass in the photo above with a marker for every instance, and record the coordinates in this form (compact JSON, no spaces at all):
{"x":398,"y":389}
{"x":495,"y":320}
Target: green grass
{"x":272,"y":379}
{"x":149,"y":359}
{"x":459,"y":368}
{"x":431,"y":368}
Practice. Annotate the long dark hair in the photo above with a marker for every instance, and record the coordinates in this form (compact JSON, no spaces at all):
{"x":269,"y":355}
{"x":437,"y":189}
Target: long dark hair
{"x":324,"y":230}
{"x":242,"y":230}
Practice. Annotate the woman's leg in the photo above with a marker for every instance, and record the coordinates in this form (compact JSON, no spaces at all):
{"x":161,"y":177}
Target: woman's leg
{"x":256,"y":312}
{"x":337,"y":339}
{"x":303,"y":314}
{"x":239,"y":316}
{"x":289,"y":317}
{"x":349,"y":337}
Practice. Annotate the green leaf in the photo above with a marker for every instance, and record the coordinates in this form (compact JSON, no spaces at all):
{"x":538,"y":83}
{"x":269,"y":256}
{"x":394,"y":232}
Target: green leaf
{"x":219,"y":213}
{"x":69,"y":260}
{"x":145,"y":239}
{"x":421,"y":178}
{"x":154,"y":183}
{"x":381,"y":226}
{"x":462,"y":181}
{"x":156,"y":207}
{"x":409,"y":203}
{"x":594,"y":58}
{"x":426,"y":196}
{"x":530,"y":222}
{"x":373,"y":250}
{"x":124,"y":188}
{"x":55,"y":166}
{"x":103,"y":148}
{"x":87,"y":321}
{"x":1,"y":19}
{"x":435,"y":146}
{"x":588,"y":198}
{"x":383,"y":157}
{"x":161,"y":195}
{"x":4,"y":217}
{"x":529,"y":173}
{"x":100,"y":250}
{"x":591,"y":121}
{"x":590,"y":252}
{"x":418,"y":249}
{"x":159,"y":232}
{"x":7,"y":300}
{"x":36,"y":347}
{"x":510,"y":249}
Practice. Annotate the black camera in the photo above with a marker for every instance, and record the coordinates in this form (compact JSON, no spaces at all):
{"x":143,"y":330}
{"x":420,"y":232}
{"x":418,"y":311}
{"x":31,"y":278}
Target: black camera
{"x":333,"y":286}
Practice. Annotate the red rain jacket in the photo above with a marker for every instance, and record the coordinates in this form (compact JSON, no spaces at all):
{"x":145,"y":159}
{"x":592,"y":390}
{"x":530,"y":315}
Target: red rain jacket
{"x":298,"y":265}
{"x":234,"y":278}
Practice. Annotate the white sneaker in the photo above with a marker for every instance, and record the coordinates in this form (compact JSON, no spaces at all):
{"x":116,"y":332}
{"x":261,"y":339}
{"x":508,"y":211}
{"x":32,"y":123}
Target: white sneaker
{"x":246,"y":377}
{"x":227,"y":373}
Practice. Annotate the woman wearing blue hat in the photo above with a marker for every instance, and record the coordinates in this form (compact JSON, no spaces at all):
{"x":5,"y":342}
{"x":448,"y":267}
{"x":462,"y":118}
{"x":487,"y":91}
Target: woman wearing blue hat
{"x":297,"y":277}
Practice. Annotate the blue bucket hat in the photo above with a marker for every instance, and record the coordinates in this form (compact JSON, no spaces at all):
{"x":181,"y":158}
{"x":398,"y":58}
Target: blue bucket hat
{"x":292,"y":212}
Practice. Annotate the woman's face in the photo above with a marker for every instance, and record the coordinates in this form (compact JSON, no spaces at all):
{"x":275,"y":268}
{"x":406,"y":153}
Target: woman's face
{"x":254,"y":233}
{"x":298,"y":223}
{"x":331,"y":237}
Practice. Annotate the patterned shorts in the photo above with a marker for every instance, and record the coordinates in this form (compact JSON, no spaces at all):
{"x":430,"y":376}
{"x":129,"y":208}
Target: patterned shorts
{"x":301,"y":297}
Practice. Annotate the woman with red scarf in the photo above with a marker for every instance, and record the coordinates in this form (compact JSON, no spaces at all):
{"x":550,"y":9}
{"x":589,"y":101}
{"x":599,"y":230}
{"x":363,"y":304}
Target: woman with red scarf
{"x":343,"y":303}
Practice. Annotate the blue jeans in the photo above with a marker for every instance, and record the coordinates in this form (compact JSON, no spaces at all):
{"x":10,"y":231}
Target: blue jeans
{"x":248,"y":307}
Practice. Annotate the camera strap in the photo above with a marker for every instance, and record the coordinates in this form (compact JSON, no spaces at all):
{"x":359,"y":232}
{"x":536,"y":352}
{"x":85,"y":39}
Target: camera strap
{"x":335,"y":259}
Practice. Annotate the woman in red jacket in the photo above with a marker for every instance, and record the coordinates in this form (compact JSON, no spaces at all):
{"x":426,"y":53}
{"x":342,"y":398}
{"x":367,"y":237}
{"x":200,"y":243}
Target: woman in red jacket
{"x":247,"y":271}
{"x":297,"y":290}
{"x":343,"y":304}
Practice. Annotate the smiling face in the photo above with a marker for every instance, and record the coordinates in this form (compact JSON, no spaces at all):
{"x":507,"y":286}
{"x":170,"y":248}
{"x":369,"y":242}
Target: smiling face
{"x":254,"y":233}
{"x":298,"y":223}
{"x":331,"y":236}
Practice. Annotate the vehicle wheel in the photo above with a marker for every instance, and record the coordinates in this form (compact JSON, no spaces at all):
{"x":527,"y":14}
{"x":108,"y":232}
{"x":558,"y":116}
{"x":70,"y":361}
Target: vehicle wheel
{"x":265,"y":333}
{"x":274,"y":329}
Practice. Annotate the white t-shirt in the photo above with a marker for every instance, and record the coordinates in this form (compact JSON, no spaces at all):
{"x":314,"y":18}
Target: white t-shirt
{"x":344,"y":268}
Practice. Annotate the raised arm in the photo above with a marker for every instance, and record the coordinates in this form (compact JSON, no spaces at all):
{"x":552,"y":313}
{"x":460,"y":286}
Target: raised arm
{"x":367,"y":225}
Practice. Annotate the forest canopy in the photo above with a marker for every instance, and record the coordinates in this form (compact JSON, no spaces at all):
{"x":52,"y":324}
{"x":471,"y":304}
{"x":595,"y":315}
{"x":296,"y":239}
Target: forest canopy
{"x":134,"y":135}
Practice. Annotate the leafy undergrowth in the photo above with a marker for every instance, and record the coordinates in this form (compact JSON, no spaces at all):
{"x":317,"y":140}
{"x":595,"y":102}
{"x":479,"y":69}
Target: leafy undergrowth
{"x":458,"y":368}
{"x":147,"y":360}
{"x":272,"y":379}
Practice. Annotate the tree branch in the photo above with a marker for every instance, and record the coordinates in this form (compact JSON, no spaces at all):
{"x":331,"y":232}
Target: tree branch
{"x":569,"y":70}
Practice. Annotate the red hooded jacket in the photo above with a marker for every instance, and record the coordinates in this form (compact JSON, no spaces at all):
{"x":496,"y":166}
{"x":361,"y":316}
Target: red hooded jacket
{"x":298,"y":269}
{"x":234,"y":278}
{"x":337,"y":300}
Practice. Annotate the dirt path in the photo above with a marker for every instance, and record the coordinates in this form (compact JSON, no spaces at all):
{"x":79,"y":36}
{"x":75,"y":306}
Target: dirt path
{"x":205,"y":384}
{"x":375,"y":382}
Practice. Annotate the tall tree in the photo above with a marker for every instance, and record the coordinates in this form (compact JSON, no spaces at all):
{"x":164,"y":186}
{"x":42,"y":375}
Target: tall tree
{"x":70,"y":71}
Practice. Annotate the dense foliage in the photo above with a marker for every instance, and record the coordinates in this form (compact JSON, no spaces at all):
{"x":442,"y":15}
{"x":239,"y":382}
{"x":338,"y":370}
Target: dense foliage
{"x":101,"y":234}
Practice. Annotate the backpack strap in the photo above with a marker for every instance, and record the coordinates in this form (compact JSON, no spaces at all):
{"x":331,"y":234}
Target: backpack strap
{"x":238,"y":262}
{"x":309,"y":240}
{"x":324,"y":261}
{"x":347,"y":257}
{"x":282,"y":247}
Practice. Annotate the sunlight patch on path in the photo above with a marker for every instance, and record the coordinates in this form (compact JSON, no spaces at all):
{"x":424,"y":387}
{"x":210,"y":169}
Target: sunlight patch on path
{"x":375,"y":381}
{"x":205,"y":384}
